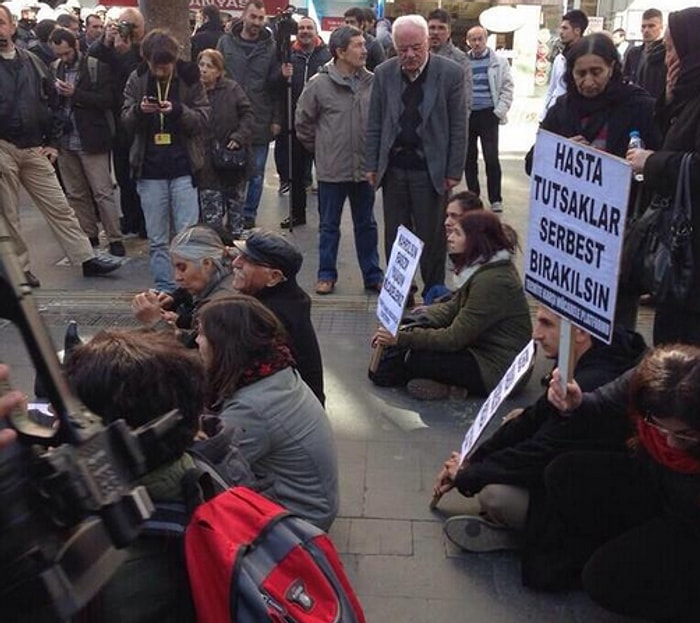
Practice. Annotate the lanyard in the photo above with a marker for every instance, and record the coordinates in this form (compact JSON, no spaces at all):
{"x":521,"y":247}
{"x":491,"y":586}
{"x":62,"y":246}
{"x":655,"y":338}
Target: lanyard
{"x":162,"y":97}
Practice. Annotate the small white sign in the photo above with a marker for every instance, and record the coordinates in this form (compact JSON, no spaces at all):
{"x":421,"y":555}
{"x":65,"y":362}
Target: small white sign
{"x":521,"y":364}
{"x":578,"y":207}
{"x":405,"y":255}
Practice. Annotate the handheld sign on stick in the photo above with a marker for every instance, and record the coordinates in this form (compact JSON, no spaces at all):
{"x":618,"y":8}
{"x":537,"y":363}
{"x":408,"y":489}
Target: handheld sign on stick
{"x":521,"y":364}
{"x":578,"y":209}
{"x":405,"y":256}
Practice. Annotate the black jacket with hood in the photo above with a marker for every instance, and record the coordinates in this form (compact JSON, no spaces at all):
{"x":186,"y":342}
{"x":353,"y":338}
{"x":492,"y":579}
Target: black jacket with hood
{"x":520,"y":450}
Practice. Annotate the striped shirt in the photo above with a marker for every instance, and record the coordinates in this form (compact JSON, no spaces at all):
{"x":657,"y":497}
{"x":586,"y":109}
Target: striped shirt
{"x":481,"y":93}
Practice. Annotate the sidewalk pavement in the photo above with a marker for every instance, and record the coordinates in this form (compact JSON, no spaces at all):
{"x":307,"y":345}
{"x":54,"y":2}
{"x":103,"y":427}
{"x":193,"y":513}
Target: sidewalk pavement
{"x":390,"y":446}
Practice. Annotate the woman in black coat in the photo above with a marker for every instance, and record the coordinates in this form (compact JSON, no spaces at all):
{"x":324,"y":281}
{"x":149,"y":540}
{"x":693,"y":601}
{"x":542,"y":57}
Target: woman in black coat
{"x":600,"y":110}
{"x":634,"y":520}
{"x":679,"y":117}
{"x":222,"y":192}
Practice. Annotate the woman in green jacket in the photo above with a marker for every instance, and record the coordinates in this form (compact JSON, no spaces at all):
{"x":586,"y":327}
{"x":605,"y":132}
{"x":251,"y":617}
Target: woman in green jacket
{"x":468,"y":342}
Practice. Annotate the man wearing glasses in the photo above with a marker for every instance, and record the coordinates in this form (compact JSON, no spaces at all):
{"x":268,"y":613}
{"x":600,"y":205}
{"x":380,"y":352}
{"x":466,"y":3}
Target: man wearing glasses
{"x":417,"y":140}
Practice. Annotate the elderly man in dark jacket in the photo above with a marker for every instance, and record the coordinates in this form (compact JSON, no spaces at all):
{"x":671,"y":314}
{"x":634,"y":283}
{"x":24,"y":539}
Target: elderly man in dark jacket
{"x":266,"y":268}
{"x":85,"y":88}
{"x":251,"y":60}
{"x":416,"y":142}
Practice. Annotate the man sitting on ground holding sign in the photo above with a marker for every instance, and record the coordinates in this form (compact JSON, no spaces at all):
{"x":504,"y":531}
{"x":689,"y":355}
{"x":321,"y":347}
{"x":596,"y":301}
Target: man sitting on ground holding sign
{"x":505,"y":472}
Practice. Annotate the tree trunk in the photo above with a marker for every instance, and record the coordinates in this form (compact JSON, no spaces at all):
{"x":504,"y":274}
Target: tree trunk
{"x":173,"y":15}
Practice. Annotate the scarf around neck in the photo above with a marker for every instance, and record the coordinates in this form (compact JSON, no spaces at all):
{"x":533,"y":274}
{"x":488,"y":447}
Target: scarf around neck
{"x":655,"y":444}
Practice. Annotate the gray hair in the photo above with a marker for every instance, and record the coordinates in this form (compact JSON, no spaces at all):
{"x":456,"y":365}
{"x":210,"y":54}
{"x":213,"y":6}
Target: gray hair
{"x":198,"y":242}
{"x":417,"y":21}
{"x":340,"y":38}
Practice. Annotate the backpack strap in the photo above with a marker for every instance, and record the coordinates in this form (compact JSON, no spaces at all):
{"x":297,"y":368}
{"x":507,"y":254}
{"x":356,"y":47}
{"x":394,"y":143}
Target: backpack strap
{"x":199,"y":484}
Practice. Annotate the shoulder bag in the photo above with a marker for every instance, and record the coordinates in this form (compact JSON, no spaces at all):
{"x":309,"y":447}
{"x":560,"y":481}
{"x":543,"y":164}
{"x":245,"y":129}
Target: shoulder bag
{"x":657,"y":252}
{"x":225,"y":159}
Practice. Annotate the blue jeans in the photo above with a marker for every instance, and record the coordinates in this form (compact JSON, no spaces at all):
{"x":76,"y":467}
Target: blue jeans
{"x":164,"y":201}
{"x":331,"y":197}
{"x":258,"y":153}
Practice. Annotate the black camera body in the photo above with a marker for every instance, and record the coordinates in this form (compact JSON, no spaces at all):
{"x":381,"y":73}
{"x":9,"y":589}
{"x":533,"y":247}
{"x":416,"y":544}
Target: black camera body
{"x":125,"y":29}
{"x":284,"y":26}
{"x":67,"y":499}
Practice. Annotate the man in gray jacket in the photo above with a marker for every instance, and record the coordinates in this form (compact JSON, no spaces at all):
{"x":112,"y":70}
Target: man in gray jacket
{"x":491,"y":101}
{"x":251,"y":60}
{"x":416,"y":140}
{"x":331,"y":119}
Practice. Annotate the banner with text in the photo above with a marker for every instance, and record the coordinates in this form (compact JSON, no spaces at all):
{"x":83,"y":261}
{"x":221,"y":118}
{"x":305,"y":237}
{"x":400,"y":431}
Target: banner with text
{"x":578,"y":206}
{"x":405,"y":255}
{"x":521,"y":364}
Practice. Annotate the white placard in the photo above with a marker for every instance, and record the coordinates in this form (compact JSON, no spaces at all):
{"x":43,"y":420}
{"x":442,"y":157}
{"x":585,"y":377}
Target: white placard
{"x":578,"y":207}
{"x":521,"y":364}
{"x":405,"y":255}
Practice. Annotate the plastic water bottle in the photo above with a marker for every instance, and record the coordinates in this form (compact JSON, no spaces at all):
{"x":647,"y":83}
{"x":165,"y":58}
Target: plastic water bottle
{"x":636,"y":142}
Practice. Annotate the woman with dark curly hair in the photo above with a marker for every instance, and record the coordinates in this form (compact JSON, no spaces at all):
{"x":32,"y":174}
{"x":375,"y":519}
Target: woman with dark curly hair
{"x":633,"y":519}
{"x":253,"y":384}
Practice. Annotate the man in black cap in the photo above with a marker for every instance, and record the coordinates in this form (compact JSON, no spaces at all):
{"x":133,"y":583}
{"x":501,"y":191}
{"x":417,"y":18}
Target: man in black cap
{"x":266,"y":268}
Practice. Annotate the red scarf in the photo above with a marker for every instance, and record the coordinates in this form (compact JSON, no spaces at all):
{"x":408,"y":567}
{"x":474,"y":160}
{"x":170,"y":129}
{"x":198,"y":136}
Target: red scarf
{"x":277,"y":359}
{"x":654,"y":442}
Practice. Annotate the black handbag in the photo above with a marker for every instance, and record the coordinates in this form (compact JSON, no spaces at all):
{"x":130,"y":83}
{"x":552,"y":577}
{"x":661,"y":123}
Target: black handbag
{"x":668,"y":263}
{"x":391,"y":369}
{"x":658,"y":252}
{"x":225,"y":159}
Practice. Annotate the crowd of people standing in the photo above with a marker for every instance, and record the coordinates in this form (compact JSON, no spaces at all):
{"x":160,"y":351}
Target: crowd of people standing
{"x":406,"y":120}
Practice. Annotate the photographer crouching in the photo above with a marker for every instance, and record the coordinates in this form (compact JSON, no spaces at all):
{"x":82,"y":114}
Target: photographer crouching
{"x":134,"y":375}
{"x":139,"y":375}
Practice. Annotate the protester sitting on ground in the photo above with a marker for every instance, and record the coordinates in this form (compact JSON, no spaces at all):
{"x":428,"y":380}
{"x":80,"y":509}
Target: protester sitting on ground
{"x":600,"y":109}
{"x":505,"y":473}
{"x":266,"y":268}
{"x":202,"y":272}
{"x":634,"y":519}
{"x":139,"y":376}
{"x":679,"y":118}
{"x":459,"y":204}
{"x":253,"y":385}
{"x":470,"y":340}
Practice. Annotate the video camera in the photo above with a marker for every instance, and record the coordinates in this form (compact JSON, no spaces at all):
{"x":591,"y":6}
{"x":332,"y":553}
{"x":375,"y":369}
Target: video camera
{"x":125,"y":29}
{"x":284,"y":26}
{"x":67,"y":503}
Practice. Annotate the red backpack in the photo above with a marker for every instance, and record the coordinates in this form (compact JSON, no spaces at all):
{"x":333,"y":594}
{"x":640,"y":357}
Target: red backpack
{"x":250,"y":561}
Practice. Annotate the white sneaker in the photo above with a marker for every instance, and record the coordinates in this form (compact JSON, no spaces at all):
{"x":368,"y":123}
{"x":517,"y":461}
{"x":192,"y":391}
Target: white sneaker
{"x":497,"y":206}
{"x":475,"y":534}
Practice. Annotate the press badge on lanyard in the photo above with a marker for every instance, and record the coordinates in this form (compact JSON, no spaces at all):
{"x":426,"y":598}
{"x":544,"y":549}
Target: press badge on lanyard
{"x":163,"y":137}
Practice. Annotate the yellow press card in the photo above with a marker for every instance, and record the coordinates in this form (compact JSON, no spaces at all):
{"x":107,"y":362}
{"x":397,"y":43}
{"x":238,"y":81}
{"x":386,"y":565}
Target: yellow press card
{"x":163,"y":138}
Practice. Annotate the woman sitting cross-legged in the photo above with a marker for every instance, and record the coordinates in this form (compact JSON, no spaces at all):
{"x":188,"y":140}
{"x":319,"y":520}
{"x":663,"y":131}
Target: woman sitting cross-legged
{"x":253,"y":385}
{"x":468,"y":342}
